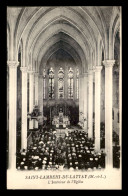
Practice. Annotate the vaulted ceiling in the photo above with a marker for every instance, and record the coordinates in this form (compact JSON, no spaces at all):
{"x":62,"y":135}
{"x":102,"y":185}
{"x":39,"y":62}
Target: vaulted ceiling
{"x":83,"y":32}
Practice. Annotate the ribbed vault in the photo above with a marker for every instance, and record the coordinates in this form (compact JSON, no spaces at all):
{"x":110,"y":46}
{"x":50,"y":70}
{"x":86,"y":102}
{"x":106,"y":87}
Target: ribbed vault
{"x":87,"y":25}
{"x":55,"y":29}
{"x":57,"y":46}
{"x":61,"y":40}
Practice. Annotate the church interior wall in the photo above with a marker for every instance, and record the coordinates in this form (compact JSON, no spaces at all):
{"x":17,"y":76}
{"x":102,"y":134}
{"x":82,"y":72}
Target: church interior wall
{"x":61,"y":59}
{"x":63,"y":37}
{"x":56,"y":61}
{"x":115,"y":97}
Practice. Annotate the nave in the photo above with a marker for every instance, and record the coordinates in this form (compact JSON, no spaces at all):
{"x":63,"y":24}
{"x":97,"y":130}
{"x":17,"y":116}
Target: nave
{"x":48,"y":150}
{"x":63,"y":69}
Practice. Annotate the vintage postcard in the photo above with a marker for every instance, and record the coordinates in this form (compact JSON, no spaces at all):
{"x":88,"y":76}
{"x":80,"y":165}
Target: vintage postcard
{"x":64,"y":107}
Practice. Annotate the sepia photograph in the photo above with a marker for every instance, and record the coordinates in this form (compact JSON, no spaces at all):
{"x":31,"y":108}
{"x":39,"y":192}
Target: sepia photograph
{"x":64,"y":104}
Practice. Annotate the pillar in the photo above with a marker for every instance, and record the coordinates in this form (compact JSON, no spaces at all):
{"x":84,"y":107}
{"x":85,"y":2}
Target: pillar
{"x":36,"y":97}
{"x":12,"y":112}
{"x":90,"y":103}
{"x":74,"y":84}
{"x":31,"y":96}
{"x":108,"y":112}
{"x":80,"y":97}
{"x":82,"y":93}
{"x":40,"y":90}
{"x":66,"y":83}
{"x":47,"y":86}
{"x":82,"y":100}
{"x":24,"y":109}
{"x":97,"y":106}
{"x":85,"y":100}
{"x":56,"y":83}
{"x":36,"y":89}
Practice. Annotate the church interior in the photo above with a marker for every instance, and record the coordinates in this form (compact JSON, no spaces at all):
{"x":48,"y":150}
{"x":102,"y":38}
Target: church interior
{"x":63,"y":88}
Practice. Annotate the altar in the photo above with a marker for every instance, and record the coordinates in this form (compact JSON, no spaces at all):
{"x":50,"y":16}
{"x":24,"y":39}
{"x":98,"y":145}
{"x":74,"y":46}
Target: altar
{"x":61,"y":121}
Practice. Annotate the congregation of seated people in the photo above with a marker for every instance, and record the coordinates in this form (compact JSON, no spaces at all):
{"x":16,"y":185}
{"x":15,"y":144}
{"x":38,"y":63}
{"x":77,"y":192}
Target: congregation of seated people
{"x":73,"y":152}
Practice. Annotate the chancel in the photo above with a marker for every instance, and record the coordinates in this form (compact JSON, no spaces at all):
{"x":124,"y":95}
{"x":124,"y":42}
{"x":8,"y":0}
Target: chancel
{"x":63,"y":88}
{"x":61,"y":120}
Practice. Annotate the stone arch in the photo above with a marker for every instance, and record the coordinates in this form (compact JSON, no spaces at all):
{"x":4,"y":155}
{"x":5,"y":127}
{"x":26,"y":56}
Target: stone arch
{"x":53,"y":50}
{"x":61,"y":16}
{"x":60,"y":30}
{"x":67,"y":30}
{"x":114,"y":27}
{"x":54,"y":41}
{"x":53,"y":15}
{"x":65,"y":37}
{"x":8,"y":40}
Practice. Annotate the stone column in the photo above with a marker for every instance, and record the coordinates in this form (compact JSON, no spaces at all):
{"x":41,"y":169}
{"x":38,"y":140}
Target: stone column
{"x":120,"y":106}
{"x":80,"y":101}
{"x":97,"y":106}
{"x":31,"y":96}
{"x":36,"y":96}
{"x":85,"y":100}
{"x":74,"y":84}
{"x":7,"y":99}
{"x":36,"y":88}
{"x":90,"y":103}
{"x":66,"y":83}
{"x":56,"y":83}
{"x":82,"y":96}
{"x":12,"y":112}
{"x":108,"y":112}
{"x":24,"y":109}
{"x":40,"y":90}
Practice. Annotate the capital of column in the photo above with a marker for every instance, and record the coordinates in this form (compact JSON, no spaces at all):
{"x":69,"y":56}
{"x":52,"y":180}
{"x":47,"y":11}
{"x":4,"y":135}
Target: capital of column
{"x":108,"y":63}
{"x":93,"y":69}
{"x":98,"y":68}
{"x":23,"y":69}
{"x":13,"y":64}
{"x":31,"y":72}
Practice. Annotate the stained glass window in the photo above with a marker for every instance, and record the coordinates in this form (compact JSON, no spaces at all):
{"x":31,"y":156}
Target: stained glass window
{"x":77,"y":83}
{"x":44,"y":84}
{"x":51,"y":83}
{"x":70,"y":83}
{"x":60,"y":83}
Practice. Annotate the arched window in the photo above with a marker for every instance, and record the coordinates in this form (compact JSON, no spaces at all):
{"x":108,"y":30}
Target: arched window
{"x":70,"y":83}
{"x":51,"y":83}
{"x":60,"y":83}
{"x":44,"y":84}
{"x":77,"y":83}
